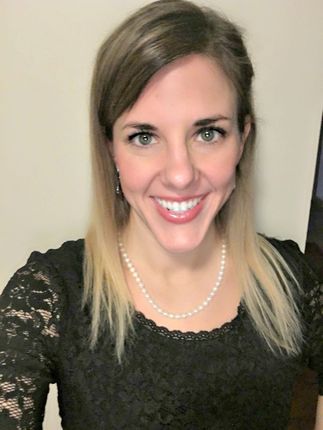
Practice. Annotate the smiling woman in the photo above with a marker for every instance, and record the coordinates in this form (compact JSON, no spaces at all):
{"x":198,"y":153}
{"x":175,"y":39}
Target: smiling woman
{"x":185,"y":154}
{"x":174,"y":312}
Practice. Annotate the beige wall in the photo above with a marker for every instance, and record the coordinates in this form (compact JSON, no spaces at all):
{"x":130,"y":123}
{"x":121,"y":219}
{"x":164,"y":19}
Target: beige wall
{"x":47,"y":51}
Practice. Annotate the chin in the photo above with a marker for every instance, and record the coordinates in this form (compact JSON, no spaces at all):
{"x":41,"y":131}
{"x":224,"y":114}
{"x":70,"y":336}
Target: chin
{"x":175,"y":238}
{"x":179,"y":244}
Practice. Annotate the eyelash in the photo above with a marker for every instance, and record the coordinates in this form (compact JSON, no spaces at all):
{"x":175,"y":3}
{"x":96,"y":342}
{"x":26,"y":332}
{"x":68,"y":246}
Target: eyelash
{"x":219,"y":130}
{"x":133,"y":136}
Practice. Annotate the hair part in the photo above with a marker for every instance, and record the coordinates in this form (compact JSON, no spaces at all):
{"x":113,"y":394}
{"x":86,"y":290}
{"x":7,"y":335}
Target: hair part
{"x":153,"y":37}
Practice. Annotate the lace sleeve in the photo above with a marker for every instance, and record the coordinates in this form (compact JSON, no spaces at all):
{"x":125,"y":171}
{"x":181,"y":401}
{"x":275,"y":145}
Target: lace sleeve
{"x":310,"y":304}
{"x":29,"y":320}
{"x":313,"y":311}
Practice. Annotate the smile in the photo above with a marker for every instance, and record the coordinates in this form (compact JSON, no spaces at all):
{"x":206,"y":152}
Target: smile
{"x":179,"y":207}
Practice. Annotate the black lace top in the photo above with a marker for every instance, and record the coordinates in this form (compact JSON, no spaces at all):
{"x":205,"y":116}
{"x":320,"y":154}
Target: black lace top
{"x":223,"y":379}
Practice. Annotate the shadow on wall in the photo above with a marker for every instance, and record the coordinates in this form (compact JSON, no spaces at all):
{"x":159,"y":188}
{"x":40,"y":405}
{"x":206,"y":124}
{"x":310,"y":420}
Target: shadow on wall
{"x":314,"y":243}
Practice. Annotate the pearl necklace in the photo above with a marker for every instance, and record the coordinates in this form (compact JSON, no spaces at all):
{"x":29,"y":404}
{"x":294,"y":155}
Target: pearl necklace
{"x":183,"y":315}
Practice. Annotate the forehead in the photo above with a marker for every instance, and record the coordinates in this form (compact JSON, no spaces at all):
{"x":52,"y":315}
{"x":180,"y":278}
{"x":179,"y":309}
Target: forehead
{"x":193,"y":86}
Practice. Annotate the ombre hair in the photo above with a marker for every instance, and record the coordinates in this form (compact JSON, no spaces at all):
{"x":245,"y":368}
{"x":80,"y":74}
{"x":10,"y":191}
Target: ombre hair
{"x":153,"y":37}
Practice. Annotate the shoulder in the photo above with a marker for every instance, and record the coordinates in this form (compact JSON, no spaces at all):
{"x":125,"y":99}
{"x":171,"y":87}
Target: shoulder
{"x":66,"y":258}
{"x":45,"y":278}
{"x":310,"y":285}
{"x":297,"y":261}
{"x":286,"y":247}
{"x":69,"y":253}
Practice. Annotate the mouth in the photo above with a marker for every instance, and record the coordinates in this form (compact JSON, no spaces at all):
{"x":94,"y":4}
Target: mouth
{"x":178,"y":206}
{"x":179,"y":211}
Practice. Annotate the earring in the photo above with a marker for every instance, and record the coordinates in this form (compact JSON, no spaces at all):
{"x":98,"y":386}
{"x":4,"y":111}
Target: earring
{"x":118,"y":189}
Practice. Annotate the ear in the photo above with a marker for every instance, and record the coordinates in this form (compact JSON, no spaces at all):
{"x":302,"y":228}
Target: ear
{"x":110,"y":148}
{"x":245,"y":133}
{"x":246,"y":130}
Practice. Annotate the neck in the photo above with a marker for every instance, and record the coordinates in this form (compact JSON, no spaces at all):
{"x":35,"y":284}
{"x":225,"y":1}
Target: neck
{"x":148,"y":255}
{"x":180,"y":283}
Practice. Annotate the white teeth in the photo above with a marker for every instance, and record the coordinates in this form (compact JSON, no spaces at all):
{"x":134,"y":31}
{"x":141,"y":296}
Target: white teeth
{"x":178,"y":206}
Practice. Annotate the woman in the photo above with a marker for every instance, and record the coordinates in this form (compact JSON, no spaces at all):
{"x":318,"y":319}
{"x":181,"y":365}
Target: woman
{"x":173,"y":313}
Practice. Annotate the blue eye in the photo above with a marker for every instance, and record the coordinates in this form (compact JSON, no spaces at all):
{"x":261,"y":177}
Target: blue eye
{"x":141,"y":138}
{"x":210,"y":134}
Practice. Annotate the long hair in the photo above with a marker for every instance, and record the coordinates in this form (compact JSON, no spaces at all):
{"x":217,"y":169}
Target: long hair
{"x":154,"y":36}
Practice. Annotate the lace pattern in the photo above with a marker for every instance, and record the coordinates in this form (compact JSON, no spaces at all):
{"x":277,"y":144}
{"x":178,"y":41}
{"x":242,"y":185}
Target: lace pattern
{"x":28,"y":322}
{"x":190,"y":335}
{"x":168,"y":377}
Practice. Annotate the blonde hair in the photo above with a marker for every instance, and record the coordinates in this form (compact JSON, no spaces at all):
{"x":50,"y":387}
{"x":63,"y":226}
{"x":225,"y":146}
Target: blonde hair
{"x":151,"y":38}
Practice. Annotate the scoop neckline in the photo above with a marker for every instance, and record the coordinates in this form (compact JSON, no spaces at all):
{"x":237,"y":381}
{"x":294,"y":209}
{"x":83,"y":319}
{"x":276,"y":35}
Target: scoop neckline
{"x":190,"y":335}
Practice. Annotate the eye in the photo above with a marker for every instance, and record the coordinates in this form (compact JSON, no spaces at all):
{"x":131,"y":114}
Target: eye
{"x":210,"y":134}
{"x":142,"y":138}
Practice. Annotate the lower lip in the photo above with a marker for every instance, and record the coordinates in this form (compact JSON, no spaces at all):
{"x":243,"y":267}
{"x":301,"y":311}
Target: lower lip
{"x":180,"y":217}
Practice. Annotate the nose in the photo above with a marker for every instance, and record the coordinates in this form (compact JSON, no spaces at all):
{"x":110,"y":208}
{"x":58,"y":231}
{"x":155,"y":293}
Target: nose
{"x":179,"y":170}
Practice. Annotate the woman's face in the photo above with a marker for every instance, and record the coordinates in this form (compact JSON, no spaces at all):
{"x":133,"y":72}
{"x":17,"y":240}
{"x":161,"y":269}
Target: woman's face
{"x":177,"y":150}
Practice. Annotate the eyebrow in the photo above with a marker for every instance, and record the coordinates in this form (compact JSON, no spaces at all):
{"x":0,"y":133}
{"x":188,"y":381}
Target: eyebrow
{"x":198,"y":123}
{"x":207,"y":121}
{"x":140,"y":126}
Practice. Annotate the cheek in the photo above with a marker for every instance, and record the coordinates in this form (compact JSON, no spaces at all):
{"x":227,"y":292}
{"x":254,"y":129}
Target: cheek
{"x":222,"y":172}
{"x":134,"y":177}
{"x":128,"y":170}
{"x":224,"y":180}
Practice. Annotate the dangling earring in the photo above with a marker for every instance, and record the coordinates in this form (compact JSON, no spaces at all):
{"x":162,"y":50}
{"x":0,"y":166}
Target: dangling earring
{"x":118,"y":189}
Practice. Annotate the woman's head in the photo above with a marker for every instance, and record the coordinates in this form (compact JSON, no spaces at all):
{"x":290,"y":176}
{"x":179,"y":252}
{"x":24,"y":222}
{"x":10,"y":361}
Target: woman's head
{"x":157,"y":36}
{"x":154,"y":37}
{"x":177,"y":149}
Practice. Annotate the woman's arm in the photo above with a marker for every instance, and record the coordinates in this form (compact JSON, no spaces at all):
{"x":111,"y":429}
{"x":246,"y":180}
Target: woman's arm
{"x":28,"y":321}
{"x":312,"y":310}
